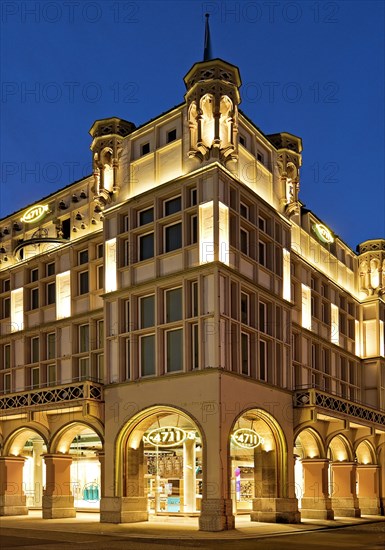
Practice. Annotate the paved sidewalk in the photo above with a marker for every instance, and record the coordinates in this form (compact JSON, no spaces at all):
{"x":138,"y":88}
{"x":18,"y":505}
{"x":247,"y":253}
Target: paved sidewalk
{"x":173,"y":528}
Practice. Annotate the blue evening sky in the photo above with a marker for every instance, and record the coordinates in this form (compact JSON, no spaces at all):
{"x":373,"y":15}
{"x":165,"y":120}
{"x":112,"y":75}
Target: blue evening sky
{"x":315,"y":69}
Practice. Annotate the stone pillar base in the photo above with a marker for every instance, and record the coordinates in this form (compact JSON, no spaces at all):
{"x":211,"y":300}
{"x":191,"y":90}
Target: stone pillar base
{"x":13,"y":505}
{"x":216,"y":515}
{"x":58,"y":507}
{"x":320,"y":508}
{"x":275,"y":510}
{"x":346,"y":507}
{"x":369,"y":506}
{"x":123,"y":509}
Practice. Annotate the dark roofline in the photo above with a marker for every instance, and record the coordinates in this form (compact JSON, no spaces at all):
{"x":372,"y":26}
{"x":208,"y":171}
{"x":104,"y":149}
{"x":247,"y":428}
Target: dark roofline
{"x":47,"y":196}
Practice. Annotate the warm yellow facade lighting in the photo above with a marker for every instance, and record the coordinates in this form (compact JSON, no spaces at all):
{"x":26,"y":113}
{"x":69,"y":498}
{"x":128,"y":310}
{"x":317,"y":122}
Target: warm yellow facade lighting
{"x":206,"y":232}
{"x":224,"y":250}
{"x":17,"y":310}
{"x":110,"y":278}
{"x":335,"y":325}
{"x":63,"y":295}
{"x":286,"y":293}
{"x":306,"y":307}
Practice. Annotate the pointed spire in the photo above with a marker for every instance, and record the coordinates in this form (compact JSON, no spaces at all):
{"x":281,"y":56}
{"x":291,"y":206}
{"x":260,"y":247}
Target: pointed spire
{"x":207,"y":53}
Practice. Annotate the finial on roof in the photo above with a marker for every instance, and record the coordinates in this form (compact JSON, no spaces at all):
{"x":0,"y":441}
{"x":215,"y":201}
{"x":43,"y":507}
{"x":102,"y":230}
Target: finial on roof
{"x":207,"y":53}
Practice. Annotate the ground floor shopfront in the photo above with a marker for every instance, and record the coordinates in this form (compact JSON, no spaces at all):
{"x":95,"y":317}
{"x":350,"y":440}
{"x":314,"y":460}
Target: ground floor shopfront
{"x":209,"y":444}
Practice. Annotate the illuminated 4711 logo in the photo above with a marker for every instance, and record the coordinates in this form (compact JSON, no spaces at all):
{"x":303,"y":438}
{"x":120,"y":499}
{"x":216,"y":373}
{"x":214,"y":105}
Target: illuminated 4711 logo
{"x":246,"y":438}
{"x":167,"y":436}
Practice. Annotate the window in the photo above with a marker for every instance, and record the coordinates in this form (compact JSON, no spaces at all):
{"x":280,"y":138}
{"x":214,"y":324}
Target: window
{"x":99,"y":334}
{"x":242,"y":140}
{"x":171,"y":135}
{"x":194,"y":299}
{"x":34,"y":350}
{"x":147,"y":311}
{"x":6,"y":383}
{"x":144,"y":149}
{"x":194,"y":229}
{"x":83,"y":256}
{"x":34,"y":298}
{"x":51,"y":345}
{"x":83,"y":282}
{"x":195,"y":347}
{"x":262,"y":359}
{"x":262,"y":317}
{"x":7,"y":356}
{"x":100,"y":276}
{"x":245,"y":364}
{"x":127,"y":367}
{"x":6,"y":285}
{"x":100,"y":250}
{"x":50,"y":269}
{"x":147,"y":355}
{"x":173,"y":237}
{"x":193,"y":197}
{"x":51,"y":374}
{"x":172,"y":205}
{"x":244,"y":308}
{"x":174,"y":305}
{"x":244,"y":241}
{"x":35,"y":377}
{"x":6,"y":307}
{"x":84,"y":368}
{"x":260,"y":157}
{"x":99,"y":375}
{"x":127,"y":326}
{"x":244,"y":210}
{"x":174,"y":349}
{"x":34,"y":275}
{"x":51,"y":293}
{"x":146,"y":216}
{"x":262,"y":224}
{"x":262,"y":253}
{"x":146,"y":246}
{"x":84,"y":338}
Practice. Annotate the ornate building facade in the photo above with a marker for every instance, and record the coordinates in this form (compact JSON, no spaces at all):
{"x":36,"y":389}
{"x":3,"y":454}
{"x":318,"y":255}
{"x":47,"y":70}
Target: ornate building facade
{"x":179,"y":335}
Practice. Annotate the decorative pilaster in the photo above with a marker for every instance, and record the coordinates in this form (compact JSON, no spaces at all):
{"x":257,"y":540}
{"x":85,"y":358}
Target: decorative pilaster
{"x":368,"y":489}
{"x":12,"y":497}
{"x":315,"y":502}
{"x":58,"y":501}
{"x":344,"y":496}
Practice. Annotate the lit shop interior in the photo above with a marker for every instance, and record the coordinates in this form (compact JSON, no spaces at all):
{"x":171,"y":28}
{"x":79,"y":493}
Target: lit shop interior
{"x":85,"y":470}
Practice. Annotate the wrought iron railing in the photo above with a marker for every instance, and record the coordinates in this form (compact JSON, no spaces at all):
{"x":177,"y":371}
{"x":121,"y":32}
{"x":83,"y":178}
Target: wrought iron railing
{"x":65,"y":393}
{"x":316,"y":398}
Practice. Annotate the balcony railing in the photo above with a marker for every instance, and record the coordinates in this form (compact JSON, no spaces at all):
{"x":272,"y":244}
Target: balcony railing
{"x":316,"y":398}
{"x":63,"y":394}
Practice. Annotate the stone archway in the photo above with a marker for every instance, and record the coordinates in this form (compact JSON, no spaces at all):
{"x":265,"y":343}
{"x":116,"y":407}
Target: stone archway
{"x":22,"y":471}
{"x":368,"y":472}
{"x":158,"y":467}
{"x":258,"y":453}
{"x":312,"y":475}
{"x":73,"y":470}
{"x":343,"y":477}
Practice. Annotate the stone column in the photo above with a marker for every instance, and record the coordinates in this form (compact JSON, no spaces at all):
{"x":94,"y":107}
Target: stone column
{"x":216,"y":505}
{"x":189,"y":477}
{"x":368,"y":489}
{"x":12,"y":497}
{"x":38,"y":445}
{"x":101,"y":457}
{"x":131,"y":506}
{"x":316,"y":503}
{"x":58,"y":501}
{"x":270,"y":504}
{"x":344,"y":494}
